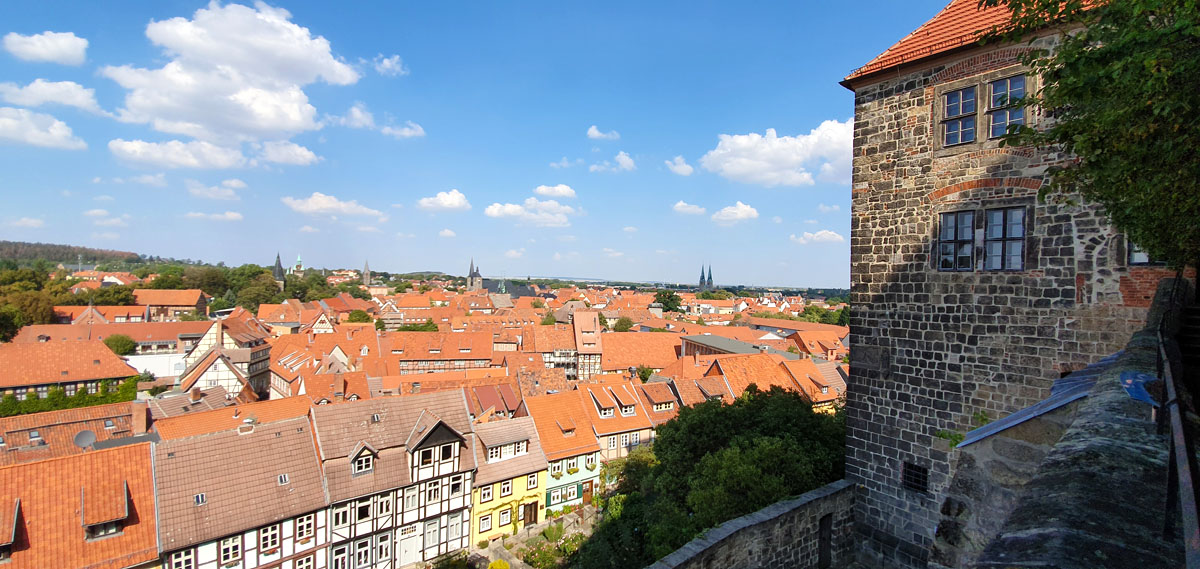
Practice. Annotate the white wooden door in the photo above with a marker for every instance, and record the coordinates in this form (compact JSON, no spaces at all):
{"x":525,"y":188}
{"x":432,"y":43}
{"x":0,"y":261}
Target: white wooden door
{"x":410,"y":546}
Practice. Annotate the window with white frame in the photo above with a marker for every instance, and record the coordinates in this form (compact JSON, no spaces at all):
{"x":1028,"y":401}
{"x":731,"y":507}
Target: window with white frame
{"x":185,"y":559}
{"x":485,"y":493}
{"x":664,"y":406}
{"x":362,"y":510}
{"x":505,"y":517}
{"x":958,"y":116}
{"x":505,"y":488}
{"x":306,"y":563}
{"x":531,"y":481}
{"x":305,"y":526}
{"x":97,"y":531}
{"x":383,"y":547}
{"x":456,"y":485}
{"x":624,"y":440}
{"x":447,"y":452}
{"x":433,"y":491}
{"x":635,"y":439}
{"x":572,"y":492}
{"x":555,"y":496}
{"x":1004,"y":240}
{"x":268,"y":538}
{"x":362,"y":554}
{"x":426,"y":457}
{"x":231,"y":549}
{"x":1003,"y":110}
{"x":556,"y":467}
{"x":363,"y":463}
{"x":573,"y":463}
{"x":455,"y":527}
{"x":410,"y":498}
{"x":606,"y":412}
{"x":340,"y":557}
{"x":612,"y":442}
{"x":627,"y":410}
{"x":383,"y":505}
{"x":521,"y":447}
{"x":493,"y":454}
{"x":341,"y":516}
{"x":431,"y":534}
{"x":590,"y":460}
{"x":485,"y":523}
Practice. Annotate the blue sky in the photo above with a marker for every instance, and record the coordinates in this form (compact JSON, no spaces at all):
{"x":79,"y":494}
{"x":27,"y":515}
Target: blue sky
{"x":420,"y":135}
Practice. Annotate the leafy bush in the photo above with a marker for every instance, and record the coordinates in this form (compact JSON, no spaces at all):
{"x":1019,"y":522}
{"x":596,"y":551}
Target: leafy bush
{"x":120,"y":344}
{"x":498,"y":564}
{"x":553,"y":532}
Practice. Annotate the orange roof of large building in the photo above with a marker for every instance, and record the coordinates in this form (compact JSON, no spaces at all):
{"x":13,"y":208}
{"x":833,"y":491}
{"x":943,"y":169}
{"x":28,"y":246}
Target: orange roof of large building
{"x":623,"y":350}
{"x":615,"y":394}
{"x":960,"y":23}
{"x":231,"y":417}
{"x":563,"y":426}
{"x":812,"y":383}
{"x":45,"y":505}
{"x":762,"y":370}
{"x":167,"y":297}
{"x":59,"y":362}
{"x":56,"y":431}
{"x":137,"y":331}
{"x":109,"y":313}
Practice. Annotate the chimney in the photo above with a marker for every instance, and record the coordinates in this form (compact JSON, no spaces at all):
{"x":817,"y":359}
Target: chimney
{"x":194,"y":395}
{"x":139,"y":417}
{"x":762,"y":349}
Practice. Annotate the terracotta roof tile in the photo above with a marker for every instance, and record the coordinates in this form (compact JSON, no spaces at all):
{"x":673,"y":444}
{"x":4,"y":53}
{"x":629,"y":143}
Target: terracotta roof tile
{"x":227,"y":418}
{"x":563,"y":425}
{"x":623,"y":350}
{"x":148,"y":332}
{"x":57,"y":430}
{"x":167,"y":297}
{"x":59,"y":362}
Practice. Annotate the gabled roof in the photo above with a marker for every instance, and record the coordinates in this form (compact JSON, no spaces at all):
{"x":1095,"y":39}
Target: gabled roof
{"x":59,"y":362}
{"x":960,"y":23}
{"x":564,"y":426}
{"x":147,"y":332}
{"x":167,"y":297}
{"x":623,"y":350}
{"x":58,"y":497}
{"x":228,"y":418}
{"x":57,"y":431}
{"x":762,"y":370}
{"x":508,"y":431}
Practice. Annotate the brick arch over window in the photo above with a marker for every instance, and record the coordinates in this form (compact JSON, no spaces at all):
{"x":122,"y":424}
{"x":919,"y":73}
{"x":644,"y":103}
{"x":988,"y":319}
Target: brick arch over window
{"x":1012,"y":182}
{"x":982,"y":63}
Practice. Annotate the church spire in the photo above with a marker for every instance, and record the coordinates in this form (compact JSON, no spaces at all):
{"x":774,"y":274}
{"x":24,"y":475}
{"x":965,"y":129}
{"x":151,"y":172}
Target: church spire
{"x":366,"y":276}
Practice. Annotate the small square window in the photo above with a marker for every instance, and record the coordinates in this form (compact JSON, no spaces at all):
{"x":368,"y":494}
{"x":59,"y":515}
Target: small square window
{"x":426,"y":457}
{"x":268,"y":538}
{"x":506,"y":488}
{"x":363,"y":464}
{"x":305,"y":526}
{"x":485,"y":493}
{"x":531,"y":481}
{"x":485,"y":523}
{"x":283,"y":479}
{"x":231,"y":549}
{"x":915,"y":477}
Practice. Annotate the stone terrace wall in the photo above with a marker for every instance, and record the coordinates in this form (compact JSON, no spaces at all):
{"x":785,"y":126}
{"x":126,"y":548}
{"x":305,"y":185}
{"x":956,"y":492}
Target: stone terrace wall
{"x":782,"y":535}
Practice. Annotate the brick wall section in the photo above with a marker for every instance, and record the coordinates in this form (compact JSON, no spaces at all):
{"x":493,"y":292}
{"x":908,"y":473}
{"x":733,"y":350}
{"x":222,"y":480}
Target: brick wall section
{"x":931,"y":349}
{"x":784,"y":534}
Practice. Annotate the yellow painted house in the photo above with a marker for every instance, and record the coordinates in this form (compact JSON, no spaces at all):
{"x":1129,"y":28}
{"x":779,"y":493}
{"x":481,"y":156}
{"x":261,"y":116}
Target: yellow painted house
{"x":510,"y":480}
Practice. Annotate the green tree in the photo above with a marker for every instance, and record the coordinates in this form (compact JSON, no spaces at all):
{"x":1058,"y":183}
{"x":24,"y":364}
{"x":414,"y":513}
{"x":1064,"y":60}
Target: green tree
{"x":623,"y":324}
{"x":549,"y":319}
{"x":670,"y":301}
{"x":700,"y":321}
{"x":379,"y":324}
{"x":167,"y":281}
{"x":843,"y":316}
{"x":1123,"y":87}
{"x":603,"y":320}
{"x":11,"y":321}
{"x":358,"y":317}
{"x":537,"y":303}
{"x":35,"y":307}
{"x":644,"y":373}
{"x":120,"y":344}
{"x":428,"y":326}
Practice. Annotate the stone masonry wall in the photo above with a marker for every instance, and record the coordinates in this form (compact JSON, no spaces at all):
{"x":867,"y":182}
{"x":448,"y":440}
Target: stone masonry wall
{"x":783,"y":535}
{"x":933,"y":349}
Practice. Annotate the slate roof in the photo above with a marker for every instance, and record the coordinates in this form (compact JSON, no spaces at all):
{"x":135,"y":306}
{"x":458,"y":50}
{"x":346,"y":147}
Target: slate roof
{"x":505,"y":432}
{"x":239,"y":477}
{"x":52,"y":495}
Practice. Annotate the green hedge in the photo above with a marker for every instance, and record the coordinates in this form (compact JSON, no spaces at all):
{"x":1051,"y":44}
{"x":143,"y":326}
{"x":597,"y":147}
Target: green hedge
{"x":57,"y":399}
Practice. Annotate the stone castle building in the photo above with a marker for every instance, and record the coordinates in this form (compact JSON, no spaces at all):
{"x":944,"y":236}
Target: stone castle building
{"x":971,"y":296}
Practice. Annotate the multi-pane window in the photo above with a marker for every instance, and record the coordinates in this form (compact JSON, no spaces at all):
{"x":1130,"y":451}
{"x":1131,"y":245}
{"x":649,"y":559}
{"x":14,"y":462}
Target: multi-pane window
{"x":456,"y":485}
{"x":624,"y":440}
{"x":573,"y":463}
{"x":627,"y":410}
{"x":635,"y":439}
{"x":410,"y":499}
{"x":590,"y":460}
{"x":455,"y":529}
{"x":1004,"y":112}
{"x":340,"y":558}
{"x":185,"y":559}
{"x":956,"y":244}
{"x":531,"y":481}
{"x":97,"y":531}
{"x":606,"y":412}
{"x":572,"y":492}
{"x":1004,"y":242}
{"x":433,"y":491}
{"x":306,"y":563}
{"x":431,"y":534}
{"x":493,"y":454}
{"x":485,"y":523}
{"x":485,"y":493}
{"x":305,"y":526}
{"x":555,"y":496}
{"x":383,"y":547}
{"x":341,"y":516}
{"x":612,"y":442}
{"x":383,"y":505}
{"x":231,"y":549}
{"x":556,"y":467}
{"x":362,"y":554}
{"x":506,"y":488}
{"x":505,"y":517}
{"x":958,"y":124}
{"x":268,"y":538}
{"x":522,"y":447}
{"x":363,"y":463}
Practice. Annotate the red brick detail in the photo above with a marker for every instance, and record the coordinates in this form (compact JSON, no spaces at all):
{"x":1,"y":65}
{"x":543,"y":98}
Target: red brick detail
{"x":982,"y":63}
{"x":1080,"y":280}
{"x":1138,"y":287}
{"x":1028,"y":183}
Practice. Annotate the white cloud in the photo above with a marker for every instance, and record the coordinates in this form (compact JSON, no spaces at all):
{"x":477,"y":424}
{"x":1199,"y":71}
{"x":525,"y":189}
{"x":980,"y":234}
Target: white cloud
{"x":777,"y":219}
{"x":96,"y":212}
{"x":409,"y":130}
{"x":679,"y":166}
{"x":199,"y":190}
{"x":52,"y":47}
{"x":514,"y":253}
{"x":738,"y":212}
{"x":97,"y":180}
{"x":234,"y":183}
{"x":446,"y":233}
{"x":233,"y":74}
{"x":828,"y":208}
{"x":285,"y":152}
{"x":623,"y":164}
{"x":565,"y":163}
{"x":612,"y":253}
{"x":227,"y":216}
{"x":569,"y":256}
{"x":595,"y":134}
{"x":108,"y":235}
{"x":37,"y":129}
{"x":121,"y":221}
{"x":567,"y":238}
{"x":31,"y":222}
{"x":822,"y":236}
{"x":177,"y":154}
{"x":158,"y":180}
{"x":321,"y":204}
{"x":451,"y":200}
{"x":389,"y":66}
{"x":687,"y":208}
{"x":42,"y":92}
{"x":357,"y":117}
{"x":556,"y":191}
{"x":540,"y":213}
{"x":308,"y":229}
{"x":771,"y":160}
{"x":629,"y":229}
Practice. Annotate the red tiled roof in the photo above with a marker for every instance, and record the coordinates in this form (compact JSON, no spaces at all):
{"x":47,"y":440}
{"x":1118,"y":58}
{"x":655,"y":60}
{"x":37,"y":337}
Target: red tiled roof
{"x":623,"y":350}
{"x":227,"y":418}
{"x":762,"y":370}
{"x":137,"y":331}
{"x":167,"y":297}
{"x":59,"y":362}
{"x":958,"y":24}
{"x":563,"y":426}
{"x":53,"y":495}
{"x":57,"y":430}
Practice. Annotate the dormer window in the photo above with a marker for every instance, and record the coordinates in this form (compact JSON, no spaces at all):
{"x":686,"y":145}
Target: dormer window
{"x":664,"y":406}
{"x":105,"y":529}
{"x":493,"y":453}
{"x":627,"y":410}
{"x":606,"y":412}
{"x":363,"y":463}
{"x":200,"y":499}
{"x":363,"y":351}
{"x":426,"y":457}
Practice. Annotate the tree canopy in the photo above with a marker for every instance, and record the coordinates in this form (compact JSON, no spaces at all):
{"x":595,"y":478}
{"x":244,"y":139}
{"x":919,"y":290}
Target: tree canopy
{"x":120,"y":344}
{"x":670,"y":301}
{"x":1120,"y":92}
{"x":359,"y":317}
{"x":623,"y":324}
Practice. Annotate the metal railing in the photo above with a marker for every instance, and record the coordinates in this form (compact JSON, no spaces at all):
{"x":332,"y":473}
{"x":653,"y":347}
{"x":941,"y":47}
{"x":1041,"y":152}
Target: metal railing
{"x":1182,"y":471}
